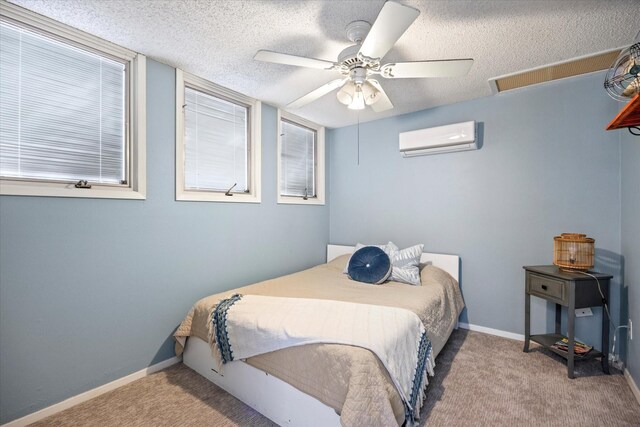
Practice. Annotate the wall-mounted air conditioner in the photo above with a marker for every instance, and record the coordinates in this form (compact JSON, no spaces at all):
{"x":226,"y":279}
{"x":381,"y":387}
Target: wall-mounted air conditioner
{"x":440,"y":139}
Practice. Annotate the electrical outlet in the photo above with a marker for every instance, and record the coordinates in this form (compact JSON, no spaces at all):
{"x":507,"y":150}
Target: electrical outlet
{"x":583,"y":312}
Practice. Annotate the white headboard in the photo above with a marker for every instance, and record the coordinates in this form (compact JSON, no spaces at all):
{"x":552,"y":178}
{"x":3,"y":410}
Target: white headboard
{"x":449,"y":263}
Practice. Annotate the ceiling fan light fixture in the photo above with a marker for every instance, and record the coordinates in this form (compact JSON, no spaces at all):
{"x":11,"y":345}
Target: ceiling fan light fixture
{"x":347,"y":93}
{"x":370,"y":93}
{"x":358,"y":100}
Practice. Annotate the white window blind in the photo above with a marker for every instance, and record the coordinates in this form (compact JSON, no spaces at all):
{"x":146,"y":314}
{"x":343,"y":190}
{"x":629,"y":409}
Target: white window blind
{"x":297,"y":160}
{"x":216,"y":143}
{"x":62,"y":110}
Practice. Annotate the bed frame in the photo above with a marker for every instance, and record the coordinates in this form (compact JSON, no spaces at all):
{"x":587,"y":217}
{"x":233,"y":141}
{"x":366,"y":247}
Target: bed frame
{"x":272,"y":397}
{"x":449,"y":263}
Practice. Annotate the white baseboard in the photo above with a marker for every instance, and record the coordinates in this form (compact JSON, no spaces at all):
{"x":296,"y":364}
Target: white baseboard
{"x":90,"y":394}
{"x":491,"y":331}
{"x":632,"y":385}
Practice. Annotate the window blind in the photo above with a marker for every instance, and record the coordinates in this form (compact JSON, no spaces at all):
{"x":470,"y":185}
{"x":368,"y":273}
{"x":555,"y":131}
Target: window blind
{"x":297,"y":160}
{"x":216,"y":143}
{"x":62,"y":110}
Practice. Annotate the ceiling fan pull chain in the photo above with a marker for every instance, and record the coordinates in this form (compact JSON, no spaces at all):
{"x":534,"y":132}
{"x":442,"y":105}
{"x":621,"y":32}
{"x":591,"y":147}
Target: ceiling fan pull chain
{"x":358,"y":137}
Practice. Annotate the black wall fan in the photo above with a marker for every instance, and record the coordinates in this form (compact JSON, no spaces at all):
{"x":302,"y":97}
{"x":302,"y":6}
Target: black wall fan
{"x":622,"y":80}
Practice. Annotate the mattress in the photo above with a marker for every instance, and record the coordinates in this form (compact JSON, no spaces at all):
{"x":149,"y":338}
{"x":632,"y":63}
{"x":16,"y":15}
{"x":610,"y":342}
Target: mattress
{"x":349,"y":379}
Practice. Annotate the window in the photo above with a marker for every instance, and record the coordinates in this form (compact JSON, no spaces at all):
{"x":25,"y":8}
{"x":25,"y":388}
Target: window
{"x":300,"y":161}
{"x":71,"y":110}
{"x":217,"y":142}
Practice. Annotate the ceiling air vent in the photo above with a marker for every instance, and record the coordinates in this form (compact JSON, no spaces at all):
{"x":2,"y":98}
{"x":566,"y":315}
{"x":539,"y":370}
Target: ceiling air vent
{"x":560,"y":70}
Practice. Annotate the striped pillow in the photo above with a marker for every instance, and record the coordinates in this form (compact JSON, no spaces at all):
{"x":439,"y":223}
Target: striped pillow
{"x":406,"y":264}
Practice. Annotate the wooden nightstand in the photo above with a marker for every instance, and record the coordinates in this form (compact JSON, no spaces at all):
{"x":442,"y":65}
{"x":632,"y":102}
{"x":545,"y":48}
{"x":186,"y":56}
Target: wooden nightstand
{"x":571,"y":290}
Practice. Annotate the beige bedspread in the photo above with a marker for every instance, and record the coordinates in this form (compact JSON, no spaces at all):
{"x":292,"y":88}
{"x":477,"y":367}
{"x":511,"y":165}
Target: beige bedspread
{"x":350,"y":380}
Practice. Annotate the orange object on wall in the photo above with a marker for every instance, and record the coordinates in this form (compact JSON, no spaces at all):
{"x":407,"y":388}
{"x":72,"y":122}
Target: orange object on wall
{"x":628,"y":116}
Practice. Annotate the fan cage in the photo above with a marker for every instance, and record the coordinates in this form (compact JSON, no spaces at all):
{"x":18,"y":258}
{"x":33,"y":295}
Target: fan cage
{"x":572,"y":251}
{"x":622,"y":80}
{"x":634,"y":51}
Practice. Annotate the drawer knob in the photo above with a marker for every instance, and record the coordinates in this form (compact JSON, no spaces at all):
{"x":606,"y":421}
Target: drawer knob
{"x":544,"y":287}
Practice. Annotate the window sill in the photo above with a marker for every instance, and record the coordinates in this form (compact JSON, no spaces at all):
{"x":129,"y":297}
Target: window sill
{"x":283,"y":200}
{"x":203,"y":196}
{"x":44,"y":189}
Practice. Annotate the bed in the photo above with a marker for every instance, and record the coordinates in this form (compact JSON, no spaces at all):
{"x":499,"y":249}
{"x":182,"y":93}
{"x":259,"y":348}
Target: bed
{"x":326,"y":384}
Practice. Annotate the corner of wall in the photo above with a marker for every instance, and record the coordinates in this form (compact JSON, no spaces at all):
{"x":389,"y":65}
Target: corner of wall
{"x":630,"y":246}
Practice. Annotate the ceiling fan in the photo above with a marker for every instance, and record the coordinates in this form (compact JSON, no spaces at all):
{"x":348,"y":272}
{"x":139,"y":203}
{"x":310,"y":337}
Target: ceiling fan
{"x":360,"y":63}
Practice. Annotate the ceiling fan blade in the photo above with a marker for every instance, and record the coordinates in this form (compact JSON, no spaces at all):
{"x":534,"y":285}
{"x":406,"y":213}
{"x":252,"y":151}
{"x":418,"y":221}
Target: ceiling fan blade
{"x":299,"y":61}
{"x":391,"y":23}
{"x":383,"y":103}
{"x":318,"y":93}
{"x":420,"y":69}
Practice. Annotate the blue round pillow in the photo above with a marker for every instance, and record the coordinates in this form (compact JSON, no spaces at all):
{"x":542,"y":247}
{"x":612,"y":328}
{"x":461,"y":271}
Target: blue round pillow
{"x":370,"y":265}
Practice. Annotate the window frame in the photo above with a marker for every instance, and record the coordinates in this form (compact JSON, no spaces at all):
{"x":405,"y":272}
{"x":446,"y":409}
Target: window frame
{"x":135,"y":116}
{"x":254,"y":168}
{"x":319,"y":199}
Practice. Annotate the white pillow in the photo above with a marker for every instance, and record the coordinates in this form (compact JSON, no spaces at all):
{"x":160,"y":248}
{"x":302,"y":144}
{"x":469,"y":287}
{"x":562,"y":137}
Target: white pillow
{"x":385,"y":248}
{"x":405,"y":264}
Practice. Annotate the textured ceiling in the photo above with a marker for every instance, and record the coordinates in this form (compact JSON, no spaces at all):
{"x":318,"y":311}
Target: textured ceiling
{"x":217,"y":40}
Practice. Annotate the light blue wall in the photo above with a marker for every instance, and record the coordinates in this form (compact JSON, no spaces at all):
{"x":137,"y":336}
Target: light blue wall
{"x":92,"y":290}
{"x":630,"y":148}
{"x":546,"y":167}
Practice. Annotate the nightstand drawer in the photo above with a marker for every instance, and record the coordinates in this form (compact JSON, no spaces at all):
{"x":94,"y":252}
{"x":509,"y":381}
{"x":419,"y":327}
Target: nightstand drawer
{"x":547,"y":288}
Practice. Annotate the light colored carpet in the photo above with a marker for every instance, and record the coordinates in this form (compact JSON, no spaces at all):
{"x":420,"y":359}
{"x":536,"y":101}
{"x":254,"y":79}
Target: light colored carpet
{"x":480,"y":380}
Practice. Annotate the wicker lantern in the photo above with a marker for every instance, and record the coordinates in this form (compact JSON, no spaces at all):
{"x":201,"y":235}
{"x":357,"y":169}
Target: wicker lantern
{"x":573,"y":251}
